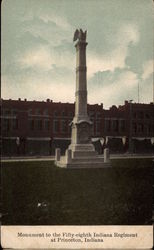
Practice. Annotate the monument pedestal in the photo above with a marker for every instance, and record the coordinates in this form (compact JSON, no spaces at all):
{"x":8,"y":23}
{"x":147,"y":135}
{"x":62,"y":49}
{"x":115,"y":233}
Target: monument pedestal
{"x":82,"y":162}
{"x":81,"y":152}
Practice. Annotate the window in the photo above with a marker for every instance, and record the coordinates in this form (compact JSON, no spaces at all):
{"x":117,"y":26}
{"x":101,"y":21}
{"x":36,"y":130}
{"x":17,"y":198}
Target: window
{"x":71,"y":114}
{"x":147,"y":116}
{"x":2,"y":112}
{"x":47,"y":124}
{"x":45,"y":112}
{"x":63,"y":113}
{"x":91,"y":114}
{"x":134,"y":115}
{"x":98,"y":115}
{"x":98,"y":127}
{"x":64,"y":126}
{"x":107,"y":125}
{"x":39,"y":124}
{"x":7,"y":112}
{"x":115,"y":125}
{"x":14,"y":112}
{"x":30,"y":111}
{"x":55,"y":113}
{"x":6,"y":124}
{"x":140,"y":128}
{"x":122,"y":124}
{"x":56,"y":126}
{"x":140,"y":115}
{"x":15,"y":124}
{"x":149,"y":128}
{"x":38,"y":112}
{"x":31,"y":124}
{"x":134,"y":128}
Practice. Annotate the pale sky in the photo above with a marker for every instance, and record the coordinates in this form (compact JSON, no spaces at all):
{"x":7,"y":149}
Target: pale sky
{"x":38,"y":54}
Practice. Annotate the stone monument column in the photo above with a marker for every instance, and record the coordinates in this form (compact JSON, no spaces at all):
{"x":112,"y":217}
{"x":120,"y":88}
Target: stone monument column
{"x":81,"y":80}
{"x":81,"y":124}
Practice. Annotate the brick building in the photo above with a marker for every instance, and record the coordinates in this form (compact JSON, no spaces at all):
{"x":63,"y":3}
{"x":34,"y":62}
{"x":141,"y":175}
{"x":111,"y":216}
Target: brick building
{"x":38,"y":127}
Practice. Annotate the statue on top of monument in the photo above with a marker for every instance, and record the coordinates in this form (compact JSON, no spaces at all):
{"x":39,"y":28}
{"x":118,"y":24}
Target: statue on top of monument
{"x":79,"y":34}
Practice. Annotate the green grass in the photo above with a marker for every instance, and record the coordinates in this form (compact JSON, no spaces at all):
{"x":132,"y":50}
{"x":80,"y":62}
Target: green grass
{"x":118,"y":195}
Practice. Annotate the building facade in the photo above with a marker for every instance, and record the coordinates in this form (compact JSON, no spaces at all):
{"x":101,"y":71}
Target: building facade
{"x":38,"y":127}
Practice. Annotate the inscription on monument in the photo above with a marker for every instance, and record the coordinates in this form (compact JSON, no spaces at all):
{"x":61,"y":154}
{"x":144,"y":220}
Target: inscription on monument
{"x":84,"y":133}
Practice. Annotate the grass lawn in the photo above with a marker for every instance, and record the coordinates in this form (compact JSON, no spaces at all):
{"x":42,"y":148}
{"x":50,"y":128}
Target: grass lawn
{"x":118,"y":195}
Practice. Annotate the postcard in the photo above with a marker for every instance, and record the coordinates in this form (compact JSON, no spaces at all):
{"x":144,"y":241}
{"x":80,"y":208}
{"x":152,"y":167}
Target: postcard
{"x":77,"y":124}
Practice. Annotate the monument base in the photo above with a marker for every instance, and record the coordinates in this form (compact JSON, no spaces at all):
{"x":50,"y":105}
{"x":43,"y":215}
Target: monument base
{"x":82,"y":159}
{"x":82,"y":165}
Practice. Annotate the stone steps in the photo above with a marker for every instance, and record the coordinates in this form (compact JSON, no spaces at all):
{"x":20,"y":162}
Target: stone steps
{"x":84,"y":154}
{"x":89,"y":165}
{"x":91,"y":159}
{"x":88,"y":160}
{"x":85,"y":165}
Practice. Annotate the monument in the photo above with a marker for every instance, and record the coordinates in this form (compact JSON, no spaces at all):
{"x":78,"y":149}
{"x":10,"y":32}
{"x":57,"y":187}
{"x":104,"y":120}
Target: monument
{"x":81,"y":152}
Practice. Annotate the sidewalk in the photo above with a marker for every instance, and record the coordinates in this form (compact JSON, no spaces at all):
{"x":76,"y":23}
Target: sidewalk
{"x":27,"y":158}
{"x":52,"y":157}
{"x":127,"y":156}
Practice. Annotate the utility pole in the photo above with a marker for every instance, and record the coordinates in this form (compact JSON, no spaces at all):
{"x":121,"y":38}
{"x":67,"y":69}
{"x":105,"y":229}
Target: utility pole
{"x":130,"y":126}
{"x":138,"y":92}
{"x":153,"y":84}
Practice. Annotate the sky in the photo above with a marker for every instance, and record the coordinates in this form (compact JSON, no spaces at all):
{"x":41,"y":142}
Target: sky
{"x":38,"y":53}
